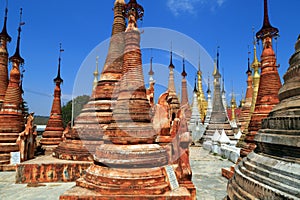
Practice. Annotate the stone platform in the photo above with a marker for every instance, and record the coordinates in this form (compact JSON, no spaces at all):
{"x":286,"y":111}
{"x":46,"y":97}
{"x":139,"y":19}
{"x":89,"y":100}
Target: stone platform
{"x":82,"y":193}
{"x":45,"y":169}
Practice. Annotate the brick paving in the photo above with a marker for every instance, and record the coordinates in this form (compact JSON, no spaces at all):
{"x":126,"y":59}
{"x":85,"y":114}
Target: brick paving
{"x":206,"y":177}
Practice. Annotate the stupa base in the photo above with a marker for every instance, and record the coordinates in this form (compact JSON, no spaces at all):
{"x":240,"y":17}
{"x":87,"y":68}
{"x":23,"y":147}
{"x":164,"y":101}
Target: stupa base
{"x":77,"y":193}
{"x":45,"y":169}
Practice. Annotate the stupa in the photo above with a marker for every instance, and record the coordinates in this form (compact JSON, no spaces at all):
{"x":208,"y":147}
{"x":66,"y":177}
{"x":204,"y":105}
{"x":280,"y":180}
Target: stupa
{"x":272,"y":171}
{"x":150,"y":90}
{"x":202,"y":103}
{"x":196,"y":127}
{"x":53,"y":133}
{"x":129,"y":165}
{"x":269,"y":85}
{"x":245,"y":112}
{"x":4,"y":39}
{"x":87,"y":133}
{"x":209,"y":104}
{"x":185,"y":106}
{"x":219,"y":119}
{"x":172,"y":98}
{"x":11,"y":116}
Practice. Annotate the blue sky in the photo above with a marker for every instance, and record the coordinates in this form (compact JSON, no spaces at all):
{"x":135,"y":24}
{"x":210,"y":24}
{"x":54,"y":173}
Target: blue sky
{"x":82,"y":25}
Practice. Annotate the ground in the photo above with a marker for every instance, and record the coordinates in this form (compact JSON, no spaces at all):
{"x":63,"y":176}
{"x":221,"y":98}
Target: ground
{"x":206,"y":176}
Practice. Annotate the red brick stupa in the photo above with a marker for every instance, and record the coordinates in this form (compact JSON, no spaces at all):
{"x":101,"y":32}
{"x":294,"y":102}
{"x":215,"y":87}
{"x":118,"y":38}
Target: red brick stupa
{"x":129,"y":165}
{"x":4,"y":39}
{"x":11,"y":116}
{"x":272,"y":170}
{"x":245,"y":113}
{"x":87,"y":133}
{"x":269,"y":84}
{"x":185,"y":106}
{"x":54,"y":129}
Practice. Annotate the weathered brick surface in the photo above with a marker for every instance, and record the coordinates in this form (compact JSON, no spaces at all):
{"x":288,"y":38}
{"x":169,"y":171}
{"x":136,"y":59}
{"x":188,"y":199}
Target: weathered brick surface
{"x":48,"y":169}
{"x":94,"y":118}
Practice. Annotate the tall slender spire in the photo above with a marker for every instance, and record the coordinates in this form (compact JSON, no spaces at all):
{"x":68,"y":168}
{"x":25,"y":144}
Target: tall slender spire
{"x":96,"y":73}
{"x":16,"y":57}
{"x":195,"y":86}
{"x":151,"y":72}
{"x":208,"y":85}
{"x":171,"y":85}
{"x":202,"y":103}
{"x":4,"y":35}
{"x":218,"y":57}
{"x":184,"y":94}
{"x":267,"y":29}
{"x":183,"y":73}
{"x":58,"y":79}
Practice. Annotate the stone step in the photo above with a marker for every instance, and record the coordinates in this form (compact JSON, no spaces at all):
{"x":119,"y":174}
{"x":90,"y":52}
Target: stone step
{"x":8,"y":147}
{"x":269,"y":178}
{"x":8,"y":137}
{"x":77,"y":193}
{"x":122,"y":189}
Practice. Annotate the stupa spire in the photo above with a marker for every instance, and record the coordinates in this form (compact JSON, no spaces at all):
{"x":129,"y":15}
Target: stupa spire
{"x":171,"y":85}
{"x":267,"y":29}
{"x":4,"y":36}
{"x":184,"y":93}
{"x":58,"y":79}
{"x":208,"y":85}
{"x":195,"y":86}
{"x":96,"y":73}
{"x":202,"y":103}
{"x":17,"y":57}
{"x":151,"y":72}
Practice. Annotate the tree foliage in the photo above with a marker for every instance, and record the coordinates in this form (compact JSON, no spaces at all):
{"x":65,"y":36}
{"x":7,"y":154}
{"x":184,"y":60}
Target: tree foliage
{"x":78,"y":103}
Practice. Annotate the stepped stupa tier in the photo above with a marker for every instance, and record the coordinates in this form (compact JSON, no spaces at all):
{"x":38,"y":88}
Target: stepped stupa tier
{"x":272,"y":171}
{"x":129,"y":164}
{"x":245,"y":113}
{"x":202,"y":103}
{"x":11,"y":116}
{"x":219,"y":119}
{"x":185,"y":106}
{"x":269,"y":85}
{"x":4,"y":39}
{"x":88,"y":130}
{"x":52,"y":135}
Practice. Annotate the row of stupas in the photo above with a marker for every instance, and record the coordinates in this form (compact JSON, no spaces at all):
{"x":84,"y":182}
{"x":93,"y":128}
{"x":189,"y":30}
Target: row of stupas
{"x":271,"y":171}
{"x":130,"y":161}
{"x":12,"y":121}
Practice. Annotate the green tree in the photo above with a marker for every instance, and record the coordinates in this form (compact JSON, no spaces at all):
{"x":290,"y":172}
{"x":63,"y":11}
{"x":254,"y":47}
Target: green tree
{"x":78,"y":102}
